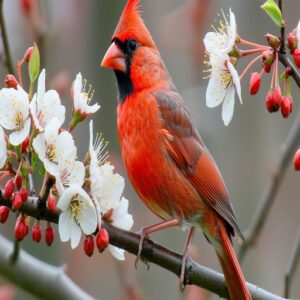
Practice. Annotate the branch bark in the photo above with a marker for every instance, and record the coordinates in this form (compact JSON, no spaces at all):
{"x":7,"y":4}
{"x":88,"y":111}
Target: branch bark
{"x":36,"y":277}
{"x":167,"y":259}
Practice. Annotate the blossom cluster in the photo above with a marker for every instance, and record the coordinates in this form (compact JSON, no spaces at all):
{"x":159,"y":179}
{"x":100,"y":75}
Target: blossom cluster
{"x":222,"y":48}
{"x":32,"y":138}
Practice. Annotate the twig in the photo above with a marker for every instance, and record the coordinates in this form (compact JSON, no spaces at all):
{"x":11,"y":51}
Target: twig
{"x":38,"y":278}
{"x":268,"y":196}
{"x":46,"y":188}
{"x":167,"y":259}
{"x":30,"y":179}
{"x":8,"y":59}
{"x":282,"y":30}
{"x":292,"y":266}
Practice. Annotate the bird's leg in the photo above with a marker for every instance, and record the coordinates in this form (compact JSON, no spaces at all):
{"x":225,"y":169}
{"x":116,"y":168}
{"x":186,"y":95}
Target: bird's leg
{"x":185,"y":256}
{"x":145,"y":231}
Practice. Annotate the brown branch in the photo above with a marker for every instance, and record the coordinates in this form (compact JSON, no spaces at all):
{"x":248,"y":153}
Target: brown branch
{"x":268,"y":196}
{"x":282,"y":30}
{"x":167,"y":259}
{"x":8,"y":59}
{"x":292,"y":266}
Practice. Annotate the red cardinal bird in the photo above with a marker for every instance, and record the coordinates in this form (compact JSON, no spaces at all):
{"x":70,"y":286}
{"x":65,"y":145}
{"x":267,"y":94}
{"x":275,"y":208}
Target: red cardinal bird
{"x":167,"y":162}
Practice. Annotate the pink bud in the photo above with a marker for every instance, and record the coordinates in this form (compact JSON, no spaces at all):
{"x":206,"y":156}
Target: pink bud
{"x":36,"y":233}
{"x":297,"y":160}
{"x":89,"y":245}
{"x":286,"y":106}
{"x":272,"y":40}
{"x":254,"y":83}
{"x":277,"y":96}
{"x":24,"y":145}
{"x":292,"y":42}
{"x":49,"y":235}
{"x":24,"y":194}
{"x":52,"y":203}
{"x":11,"y":81}
{"x":267,"y":60}
{"x":9,"y":189}
{"x":102,"y":239}
{"x":18,"y":181}
{"x":21,"y":229}
{"x":270,"y":103}
{"x":296,"y":56}
{"x":16,"y":201}
{"x":4,"y":213}
{"x":28,"y":54}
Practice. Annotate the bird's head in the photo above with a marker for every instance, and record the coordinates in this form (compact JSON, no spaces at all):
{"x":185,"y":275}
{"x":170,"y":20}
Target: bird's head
{"x":132,"y":53}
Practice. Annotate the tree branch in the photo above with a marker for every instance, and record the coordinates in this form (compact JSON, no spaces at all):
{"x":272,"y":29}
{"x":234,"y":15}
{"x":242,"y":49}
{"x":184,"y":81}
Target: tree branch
{"x":36,"y":277}
{"x":167,"y":259}
{"x":8,"y":59}
{"x":287,"y":152}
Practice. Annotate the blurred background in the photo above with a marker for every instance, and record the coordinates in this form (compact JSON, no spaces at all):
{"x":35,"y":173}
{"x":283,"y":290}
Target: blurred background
{"x":73,"y":36}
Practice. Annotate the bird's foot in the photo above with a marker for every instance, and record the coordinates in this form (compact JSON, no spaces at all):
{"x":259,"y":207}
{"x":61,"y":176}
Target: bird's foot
{"x":143,"y":235}
{"x":182,"y":277}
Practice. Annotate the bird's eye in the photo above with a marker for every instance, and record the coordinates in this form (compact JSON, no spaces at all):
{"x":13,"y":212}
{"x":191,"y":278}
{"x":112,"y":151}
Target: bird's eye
{"x":132,"y":44}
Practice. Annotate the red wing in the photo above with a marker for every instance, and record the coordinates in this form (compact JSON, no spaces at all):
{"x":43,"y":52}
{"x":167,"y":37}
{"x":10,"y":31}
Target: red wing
{"x":188,"y":151}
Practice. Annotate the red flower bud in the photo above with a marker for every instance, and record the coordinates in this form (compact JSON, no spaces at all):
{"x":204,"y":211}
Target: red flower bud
{"x":11,"y":81}
{"x":21,"y":229}
{"x":16,"y":201}
{"x":89,"y":245}
{"x":4,"y":213}
{"x":36,"y":233}
{"x":28,"y":54}
{"x":9,"y":189}
{"x":270,"y":103}
{"x":51,"y":203}
{"x":292,"y":42}
{"x":267,"y":60}
{"x":297,"y":160}
{"x":18,"y":181}
{"x":272,"y":40}
{"x":286,"y":106}
{"x":24,"y":194}
{"x":24,"y":145}
{"x":277,"y":96}
{"x":296,"y":56}
{"x":26,"y":6}
{"x":102,"y":239}
{"x":49,"y":235}
{"x":254,"y":83}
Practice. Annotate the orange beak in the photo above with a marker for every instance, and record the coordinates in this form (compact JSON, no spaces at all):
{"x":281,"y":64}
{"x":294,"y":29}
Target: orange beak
{"x":114,"y":58}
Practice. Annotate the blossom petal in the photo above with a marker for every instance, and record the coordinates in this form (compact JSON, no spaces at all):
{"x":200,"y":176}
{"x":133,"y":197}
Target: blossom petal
{"x":64,"y":228}
{"x":75,"y":234}
{"x":212,"y":42}
{"x":65,"y":199}
{"x":121,"y":218}
{"x":17,"y":137}
{"x":215,"y":91}
{"x":77,"y":90}
{"x":65,"y":148}
{"x":39,"y":146}
{"x":88,"y":219}
{"x":3,"y":149}
{"x":51,"y":131}
{"x":41,"y":86}
{"x":228,"y":105}
{"x":118,"y":253}
{"x":236,"y":79}
{"x":33,"y":110}
{"x":298,"y":34}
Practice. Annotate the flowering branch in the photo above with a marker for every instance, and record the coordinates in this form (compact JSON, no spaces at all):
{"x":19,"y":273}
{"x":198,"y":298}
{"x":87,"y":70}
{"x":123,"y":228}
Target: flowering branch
{"x":8,"y":59}
{"x":45,"y":281}
{"x":167,"y":259}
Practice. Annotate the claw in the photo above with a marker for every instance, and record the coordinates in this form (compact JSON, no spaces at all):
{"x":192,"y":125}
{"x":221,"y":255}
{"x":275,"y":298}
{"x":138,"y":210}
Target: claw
{"x":182,"y":277}
{"x":139,"y":257}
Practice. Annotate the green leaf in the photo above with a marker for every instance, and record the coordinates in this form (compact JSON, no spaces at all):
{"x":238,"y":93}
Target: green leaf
{"x":272,"y":9}
{"x":34,"y":63}
{"x":34,"y":160}
{"x":42,"y":170}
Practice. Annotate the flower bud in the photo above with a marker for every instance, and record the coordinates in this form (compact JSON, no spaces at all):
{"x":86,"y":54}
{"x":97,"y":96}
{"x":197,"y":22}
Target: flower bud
{"x":4,"y":213}
{"x":18,"y":181}
{"x":24,"y":145}
{"x":28,"y":54}
{"x":273,"y":41}
{"x":16,"y":201}
{"x":49,"y":235}
{"x":270,"y":103}
{"x":36,"y":233}
{"x":277,"y":96}
{"x":255,"y":81}
{"x":267,"y":60}
{"x":11,"y":81}
{"x":296,"y":57}
{"x":292,"y":42}
{"x":286,"y":106}
{"x":51,"y":203}
{"x":26,"y":6}
{"x":24,"y":194}
{"x":21,"y":229}
{"x":297,"y":160}
{"x":9,"y":189}
{"x":89,"y":245}
{"x":102,"y":239}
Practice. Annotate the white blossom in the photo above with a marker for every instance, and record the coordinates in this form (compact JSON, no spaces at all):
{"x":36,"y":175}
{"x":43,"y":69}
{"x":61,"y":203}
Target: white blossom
{"x":82,"y":96}
{"x":14,"y":114}
{"x":3,"y":148}
{"x":54,"y":148}
{"x":77,"y":213}
{"x":45,"y":105}
{"x":224,"y":81}
{"x":298,"y":35}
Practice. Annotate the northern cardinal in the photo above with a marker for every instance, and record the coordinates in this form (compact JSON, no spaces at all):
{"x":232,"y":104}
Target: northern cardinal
{"x":167,"y":162}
